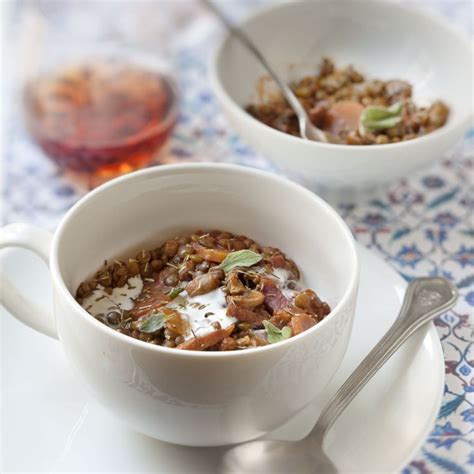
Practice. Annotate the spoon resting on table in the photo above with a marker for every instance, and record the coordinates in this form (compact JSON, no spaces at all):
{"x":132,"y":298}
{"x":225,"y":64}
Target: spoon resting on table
{"x":308,"y":130}
{"x":425,"y":299}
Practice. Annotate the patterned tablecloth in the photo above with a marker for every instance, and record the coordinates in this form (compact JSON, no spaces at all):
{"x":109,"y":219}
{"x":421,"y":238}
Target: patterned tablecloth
{"x":422,"y":225}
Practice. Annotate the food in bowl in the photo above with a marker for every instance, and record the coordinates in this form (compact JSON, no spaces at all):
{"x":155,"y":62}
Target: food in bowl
{"x":204,"y":291}
{"x":353,"y":109}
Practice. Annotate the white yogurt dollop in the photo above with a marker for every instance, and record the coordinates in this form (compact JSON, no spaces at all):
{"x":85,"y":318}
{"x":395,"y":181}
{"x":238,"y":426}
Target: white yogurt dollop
{"x":203,"y":310}
{"x":100,"y":302}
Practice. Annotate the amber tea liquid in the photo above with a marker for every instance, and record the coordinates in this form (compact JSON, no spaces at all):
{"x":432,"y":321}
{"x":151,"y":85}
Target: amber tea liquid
{"x":102,"y":118}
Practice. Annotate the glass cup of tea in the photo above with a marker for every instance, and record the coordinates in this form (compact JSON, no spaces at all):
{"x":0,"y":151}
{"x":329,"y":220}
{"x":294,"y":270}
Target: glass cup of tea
{"x":101,"y":114}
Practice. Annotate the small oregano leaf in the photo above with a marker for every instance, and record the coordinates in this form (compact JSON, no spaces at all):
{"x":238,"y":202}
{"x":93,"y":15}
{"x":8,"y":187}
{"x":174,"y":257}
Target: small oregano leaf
{"x":241,"y":258}
{"x":175,"y":292}
{"x":375,"y":118}
{"x":153,"y":323}
{"x":274,"y":334}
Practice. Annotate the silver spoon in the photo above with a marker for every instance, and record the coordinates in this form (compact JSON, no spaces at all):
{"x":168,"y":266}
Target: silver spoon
{"x":425,"y":299}
{"x":308,"y":130}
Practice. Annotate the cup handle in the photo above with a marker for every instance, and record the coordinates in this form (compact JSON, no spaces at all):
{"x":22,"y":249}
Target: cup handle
{"x":38,"y":241}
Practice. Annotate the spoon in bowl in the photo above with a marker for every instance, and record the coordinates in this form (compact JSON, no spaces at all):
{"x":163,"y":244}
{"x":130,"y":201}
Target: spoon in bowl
{"x":425,"y":299}
{"x":308,"y":130}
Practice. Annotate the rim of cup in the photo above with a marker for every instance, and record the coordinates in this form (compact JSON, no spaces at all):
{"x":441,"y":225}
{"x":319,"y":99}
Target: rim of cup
{"x":59,"y":283}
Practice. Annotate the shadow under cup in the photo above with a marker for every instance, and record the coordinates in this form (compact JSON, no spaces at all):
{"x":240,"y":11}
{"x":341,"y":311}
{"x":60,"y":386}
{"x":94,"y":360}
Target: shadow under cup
{"x":205,"y":399}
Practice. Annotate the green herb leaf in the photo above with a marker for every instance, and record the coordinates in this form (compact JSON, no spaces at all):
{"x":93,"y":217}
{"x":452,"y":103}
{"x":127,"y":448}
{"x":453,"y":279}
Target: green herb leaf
{"x":175,"y":292}
{"x":241,"y":258}
{"x":153,"y":323}
{"x":274,"y":334}
{"x":374,"y":118}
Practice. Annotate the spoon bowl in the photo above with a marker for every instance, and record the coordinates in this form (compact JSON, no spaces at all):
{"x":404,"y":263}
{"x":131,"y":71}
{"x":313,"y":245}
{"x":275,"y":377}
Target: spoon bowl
{"x":277,"y":457}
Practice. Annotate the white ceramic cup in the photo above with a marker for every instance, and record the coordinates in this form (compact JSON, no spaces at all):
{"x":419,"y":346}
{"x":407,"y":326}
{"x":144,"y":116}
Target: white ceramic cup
{"x":185,"y":397}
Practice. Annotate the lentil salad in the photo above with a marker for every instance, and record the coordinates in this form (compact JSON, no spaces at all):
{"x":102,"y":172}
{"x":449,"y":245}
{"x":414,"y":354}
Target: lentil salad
{"x":352,"y":109}
{"x":205,"y":291}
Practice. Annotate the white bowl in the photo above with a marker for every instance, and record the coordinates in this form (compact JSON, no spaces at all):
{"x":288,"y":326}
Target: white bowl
{"x":383,"y":40}
{"x":186,"y":397}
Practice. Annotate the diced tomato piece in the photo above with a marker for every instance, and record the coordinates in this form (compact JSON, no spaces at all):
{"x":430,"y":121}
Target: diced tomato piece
{"x":153,"y":296}
{"x":211,"y":255}
{"x":301,"y":323}
{"x":246,"y":315}
{"x":208,"y":340}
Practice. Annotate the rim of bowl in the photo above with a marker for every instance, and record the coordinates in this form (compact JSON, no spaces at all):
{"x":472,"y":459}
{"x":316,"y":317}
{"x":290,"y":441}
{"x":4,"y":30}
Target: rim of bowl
{"x":163,"y":170}
{"x":222,"y":93}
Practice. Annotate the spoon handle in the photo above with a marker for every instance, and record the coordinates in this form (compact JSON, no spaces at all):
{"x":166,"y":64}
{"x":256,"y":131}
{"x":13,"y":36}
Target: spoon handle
{"x":287,"y":92}
{"x":425,"y":299}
